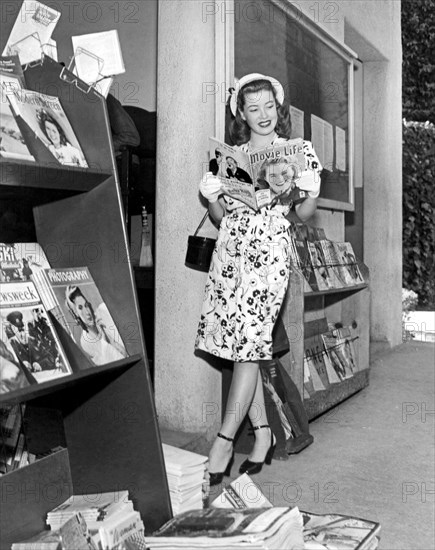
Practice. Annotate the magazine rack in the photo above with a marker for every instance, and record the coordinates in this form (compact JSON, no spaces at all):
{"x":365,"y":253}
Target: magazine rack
{"x":103,"y":417}
{"x":348,"y":306}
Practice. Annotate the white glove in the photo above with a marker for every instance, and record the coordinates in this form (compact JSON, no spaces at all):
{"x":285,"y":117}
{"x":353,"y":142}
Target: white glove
{"x":210,"y":187}
{"x":309,"y":181}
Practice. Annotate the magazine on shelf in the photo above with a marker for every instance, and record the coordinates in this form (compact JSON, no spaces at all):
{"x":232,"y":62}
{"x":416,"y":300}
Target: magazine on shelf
{"x":262,"y":177}
{"x":32,"y":29}
{"x":349,"y":261}
{"x":19,"y":261}
{"x":45,"y":117}
{"x":314,"y":359}
{"x":332,"y":262}
{"x":303,"y":254}
{"x":340,"y":350}
{"x":12,"y":142}
{"x":10,"y":67}
{"x":26,"y":331}
{"x":73,"y":297}
{"x":336,"y":531}
{"x":322,"y":273}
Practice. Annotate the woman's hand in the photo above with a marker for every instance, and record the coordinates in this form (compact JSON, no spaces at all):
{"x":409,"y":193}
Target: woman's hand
{"x":210,"y":187}
{"x":309,"y":181}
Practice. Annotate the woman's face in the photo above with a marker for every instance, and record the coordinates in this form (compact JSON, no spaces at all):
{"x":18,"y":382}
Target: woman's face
{"x":260,"y":112}
{"x":231,"y":164}
{"x":52,"y":133}
{"x":84,"y":311}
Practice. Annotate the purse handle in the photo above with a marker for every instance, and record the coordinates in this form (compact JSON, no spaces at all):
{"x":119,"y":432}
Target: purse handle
{"x":201,"y":223}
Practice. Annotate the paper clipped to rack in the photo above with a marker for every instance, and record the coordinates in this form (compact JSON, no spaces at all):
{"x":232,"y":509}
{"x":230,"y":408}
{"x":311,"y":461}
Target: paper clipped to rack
{"x":32,"y":29}
{"x":97,"y":58}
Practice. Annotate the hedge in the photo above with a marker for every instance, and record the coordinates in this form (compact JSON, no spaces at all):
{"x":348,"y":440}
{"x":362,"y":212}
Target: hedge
{"x":418,"y":211}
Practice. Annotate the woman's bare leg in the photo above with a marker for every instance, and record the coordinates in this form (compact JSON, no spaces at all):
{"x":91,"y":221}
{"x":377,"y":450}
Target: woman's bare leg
{"x":258,"y":417}
{"x":242,"y":390}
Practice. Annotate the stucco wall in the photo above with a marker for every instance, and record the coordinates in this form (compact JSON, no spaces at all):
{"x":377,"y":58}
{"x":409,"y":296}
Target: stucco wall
{"x":185,"y":386}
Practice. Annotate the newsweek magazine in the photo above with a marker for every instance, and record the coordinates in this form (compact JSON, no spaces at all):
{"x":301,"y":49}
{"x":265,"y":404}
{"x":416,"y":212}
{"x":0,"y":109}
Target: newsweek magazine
{"x":27,"y":333}
{"x":259,"y":178}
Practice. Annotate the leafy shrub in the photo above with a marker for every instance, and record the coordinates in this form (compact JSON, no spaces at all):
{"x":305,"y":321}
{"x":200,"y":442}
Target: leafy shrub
{"x":409,"y":303}
{"x":418,"y":211}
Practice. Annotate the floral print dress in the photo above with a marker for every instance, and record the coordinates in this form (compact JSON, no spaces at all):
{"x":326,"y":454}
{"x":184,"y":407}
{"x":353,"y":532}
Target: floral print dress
{"x":248,"y":278}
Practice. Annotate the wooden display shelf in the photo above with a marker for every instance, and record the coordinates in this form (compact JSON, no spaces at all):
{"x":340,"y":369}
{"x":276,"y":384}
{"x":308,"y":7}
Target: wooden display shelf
{"x":47,"y":176}
{"x":105,"y":415}
{"x":66,"y":382}
{"x":28,"y":493}
{"x":348,"y":306}
{"x":354,"y":288}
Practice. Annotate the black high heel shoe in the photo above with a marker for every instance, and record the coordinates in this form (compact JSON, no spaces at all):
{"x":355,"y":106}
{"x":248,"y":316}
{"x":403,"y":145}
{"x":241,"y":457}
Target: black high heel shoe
{"x":249,"y":467}
{"x":217,"y":477}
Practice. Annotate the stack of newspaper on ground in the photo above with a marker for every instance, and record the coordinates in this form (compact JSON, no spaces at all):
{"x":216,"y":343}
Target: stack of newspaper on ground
{"x":110,"y":517}
{"x":186,"y":472}
{"x":338,"y":532}
{"x":254,"y":528}
{"x":320,"y":531}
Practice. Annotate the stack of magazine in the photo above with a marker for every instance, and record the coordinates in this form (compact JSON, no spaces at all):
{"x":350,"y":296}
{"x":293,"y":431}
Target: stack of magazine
{"x":110,"y":517}
{"x":34,"y":295}
{"x":320,"y":531}
{"x":186,"y":472}
{"x":255,"y":528}
{"x":30,"y":348}
{"x":241,"y":493}
{"x":338,"y":532}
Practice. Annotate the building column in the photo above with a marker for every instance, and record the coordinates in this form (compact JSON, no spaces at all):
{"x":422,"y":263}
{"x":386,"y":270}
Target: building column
{"x":187,"y":387}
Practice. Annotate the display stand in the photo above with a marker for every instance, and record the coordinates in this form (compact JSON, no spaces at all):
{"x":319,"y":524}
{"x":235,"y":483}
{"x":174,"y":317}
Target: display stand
{"x":105,"y":416}
{"x":347,"y":306}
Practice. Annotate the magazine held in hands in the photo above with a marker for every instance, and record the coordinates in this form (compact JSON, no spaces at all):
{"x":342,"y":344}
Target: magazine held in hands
{"x":259,"y":178}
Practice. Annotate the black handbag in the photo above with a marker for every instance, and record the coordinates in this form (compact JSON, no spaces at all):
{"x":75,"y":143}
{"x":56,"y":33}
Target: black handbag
{"x":199,"y":249}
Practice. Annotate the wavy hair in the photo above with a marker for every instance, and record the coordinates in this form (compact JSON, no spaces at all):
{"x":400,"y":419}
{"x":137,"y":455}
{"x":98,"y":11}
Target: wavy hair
{"x":72,"y":292}
{"x":239,"y":130}
{"x":44,"y":117}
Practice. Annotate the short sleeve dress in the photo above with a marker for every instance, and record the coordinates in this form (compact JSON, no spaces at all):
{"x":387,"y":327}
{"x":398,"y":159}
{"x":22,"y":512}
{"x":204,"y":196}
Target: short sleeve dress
{"x":248,"y":276}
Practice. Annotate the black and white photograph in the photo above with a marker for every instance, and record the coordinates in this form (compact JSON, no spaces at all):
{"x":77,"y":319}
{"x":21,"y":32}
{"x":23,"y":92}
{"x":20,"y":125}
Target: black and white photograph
{"x":223,"y":211}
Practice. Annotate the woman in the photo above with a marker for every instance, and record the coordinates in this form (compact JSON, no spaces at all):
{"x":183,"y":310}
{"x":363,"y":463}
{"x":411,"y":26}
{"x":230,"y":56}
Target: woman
{"x":249,"y":272}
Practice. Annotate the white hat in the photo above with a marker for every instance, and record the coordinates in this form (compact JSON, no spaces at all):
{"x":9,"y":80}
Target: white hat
{"x":279,"y":90}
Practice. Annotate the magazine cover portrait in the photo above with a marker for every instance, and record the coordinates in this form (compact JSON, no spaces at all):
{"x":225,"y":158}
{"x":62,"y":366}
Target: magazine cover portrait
{"x":46,"y":118}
